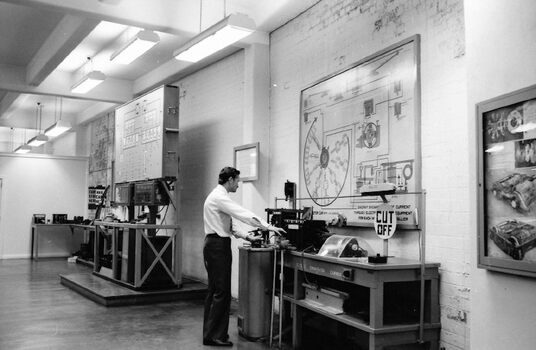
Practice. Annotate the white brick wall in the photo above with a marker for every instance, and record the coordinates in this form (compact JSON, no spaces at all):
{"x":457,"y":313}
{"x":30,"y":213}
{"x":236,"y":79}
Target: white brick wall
{"x":210,"y":112}
{"x":334,"y":34}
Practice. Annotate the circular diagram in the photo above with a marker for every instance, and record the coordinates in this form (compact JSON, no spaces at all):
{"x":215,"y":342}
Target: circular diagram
{"x":370,"y":135}
{"x":514,"y":120}
{"x":325,"y":164}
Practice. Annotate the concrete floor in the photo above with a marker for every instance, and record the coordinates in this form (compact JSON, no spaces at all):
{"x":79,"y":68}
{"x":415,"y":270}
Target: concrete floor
{"x":37,"y":312}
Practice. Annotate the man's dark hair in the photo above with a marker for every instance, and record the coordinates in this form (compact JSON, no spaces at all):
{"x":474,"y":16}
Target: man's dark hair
{"x":227,"y":173}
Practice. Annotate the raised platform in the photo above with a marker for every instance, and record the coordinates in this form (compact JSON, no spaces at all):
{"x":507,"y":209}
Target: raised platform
{"x":108,"y":293}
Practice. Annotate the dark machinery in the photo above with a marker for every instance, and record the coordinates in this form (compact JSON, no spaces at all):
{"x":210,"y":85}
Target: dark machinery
{"x":302,"y":231}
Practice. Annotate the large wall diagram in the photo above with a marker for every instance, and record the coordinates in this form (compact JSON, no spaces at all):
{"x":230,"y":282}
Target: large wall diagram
{"x":361,"y":127}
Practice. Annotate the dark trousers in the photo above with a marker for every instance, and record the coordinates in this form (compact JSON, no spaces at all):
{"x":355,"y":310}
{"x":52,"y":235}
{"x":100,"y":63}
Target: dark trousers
{"x":218,"y":257}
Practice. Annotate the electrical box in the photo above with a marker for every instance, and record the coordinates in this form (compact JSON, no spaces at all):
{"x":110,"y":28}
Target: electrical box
{"x":95,"y":196}
{"x":150,"y":193}
{"x":147,"y":136}
{"x":123,"y":194}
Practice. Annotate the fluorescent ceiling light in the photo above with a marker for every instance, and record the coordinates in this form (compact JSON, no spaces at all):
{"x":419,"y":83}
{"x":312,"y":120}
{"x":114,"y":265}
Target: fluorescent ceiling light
{"x":222,"y":34}
{"x":38,"y":140}
{"x":135,"y":47}
{"x":23,"y":149}
{"x":57,"y":128}
{"x":88,"y":82}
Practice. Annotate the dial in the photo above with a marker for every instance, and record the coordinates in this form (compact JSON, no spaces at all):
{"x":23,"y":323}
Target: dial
{"x":325,"y":163}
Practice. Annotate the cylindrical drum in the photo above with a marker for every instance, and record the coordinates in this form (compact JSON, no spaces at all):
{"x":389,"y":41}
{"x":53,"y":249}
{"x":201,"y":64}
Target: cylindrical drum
{"x":254,"y":292}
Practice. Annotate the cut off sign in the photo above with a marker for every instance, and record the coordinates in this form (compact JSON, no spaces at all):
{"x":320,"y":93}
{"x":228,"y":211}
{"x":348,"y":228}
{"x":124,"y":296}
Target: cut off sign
{"x":385,"y":221}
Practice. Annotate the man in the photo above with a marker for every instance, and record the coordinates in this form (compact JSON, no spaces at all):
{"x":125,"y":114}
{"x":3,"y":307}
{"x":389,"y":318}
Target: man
{"x":217,"y":213}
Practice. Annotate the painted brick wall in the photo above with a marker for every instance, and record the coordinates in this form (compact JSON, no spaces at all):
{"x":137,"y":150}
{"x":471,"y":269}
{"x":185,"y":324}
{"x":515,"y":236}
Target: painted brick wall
{"x":331,"y":36}
{"x":211,"y":112}
{"x":500,"y":59}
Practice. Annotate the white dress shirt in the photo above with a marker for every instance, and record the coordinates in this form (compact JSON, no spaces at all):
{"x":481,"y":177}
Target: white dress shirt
{"x":218,"y":210}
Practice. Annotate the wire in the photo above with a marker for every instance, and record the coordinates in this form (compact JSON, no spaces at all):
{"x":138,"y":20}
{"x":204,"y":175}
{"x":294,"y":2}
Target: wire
{"x":163,"y":218}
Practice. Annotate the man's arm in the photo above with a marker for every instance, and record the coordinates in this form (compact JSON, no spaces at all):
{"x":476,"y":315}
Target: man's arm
{"x":236,"y":211}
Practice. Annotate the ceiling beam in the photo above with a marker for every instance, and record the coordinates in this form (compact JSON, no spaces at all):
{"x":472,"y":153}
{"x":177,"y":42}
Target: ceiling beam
{"x":12,"y":78}
{"x":67,"y":35}
{"x":7,"y":101}
{"x":95,"y":110}
{"x":168,"y":16}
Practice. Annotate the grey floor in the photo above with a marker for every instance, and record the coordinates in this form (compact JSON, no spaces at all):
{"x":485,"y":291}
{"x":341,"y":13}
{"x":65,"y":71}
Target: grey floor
{"x":37,"y":312}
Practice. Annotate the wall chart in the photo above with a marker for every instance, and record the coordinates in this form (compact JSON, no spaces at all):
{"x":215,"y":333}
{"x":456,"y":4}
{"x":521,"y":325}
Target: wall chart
{"x":362,"y":126}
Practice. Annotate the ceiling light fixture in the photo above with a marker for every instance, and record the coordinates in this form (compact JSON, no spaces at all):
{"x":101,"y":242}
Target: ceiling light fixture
{"x":40,"y":138}
{"x":22,"y":149}
{"x":59,"y":127}
{"x":135,"y":47}
{"x":222,"y":34}
{"x":88,"y":82}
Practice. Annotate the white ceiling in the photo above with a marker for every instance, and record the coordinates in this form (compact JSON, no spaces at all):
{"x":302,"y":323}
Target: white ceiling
{"x":44,"y":46}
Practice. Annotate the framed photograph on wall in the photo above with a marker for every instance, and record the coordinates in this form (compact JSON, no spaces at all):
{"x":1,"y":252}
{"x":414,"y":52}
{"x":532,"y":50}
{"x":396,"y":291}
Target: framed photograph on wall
{"x":361,"y":126}
{"x":246,"y":159}
{"x":507,"y":182}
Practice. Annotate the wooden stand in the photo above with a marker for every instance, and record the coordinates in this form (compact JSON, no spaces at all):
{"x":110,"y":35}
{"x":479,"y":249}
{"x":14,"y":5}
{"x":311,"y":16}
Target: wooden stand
{"x":144,"y":263}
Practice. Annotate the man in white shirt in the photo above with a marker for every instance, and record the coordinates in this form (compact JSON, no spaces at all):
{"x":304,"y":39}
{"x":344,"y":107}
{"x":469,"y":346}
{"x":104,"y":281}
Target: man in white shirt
{"x":217,"y":213}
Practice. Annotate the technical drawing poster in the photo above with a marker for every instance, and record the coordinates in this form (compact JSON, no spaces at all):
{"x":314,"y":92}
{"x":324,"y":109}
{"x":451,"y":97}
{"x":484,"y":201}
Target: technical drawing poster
{"x":361,"y":126}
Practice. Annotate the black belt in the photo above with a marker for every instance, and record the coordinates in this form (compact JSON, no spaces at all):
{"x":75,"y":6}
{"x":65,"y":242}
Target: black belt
{"x":214,"y":235}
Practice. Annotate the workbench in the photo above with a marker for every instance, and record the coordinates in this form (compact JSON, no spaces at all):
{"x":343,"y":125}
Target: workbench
{"x":383,"y":306}
{"x":56,"y":229}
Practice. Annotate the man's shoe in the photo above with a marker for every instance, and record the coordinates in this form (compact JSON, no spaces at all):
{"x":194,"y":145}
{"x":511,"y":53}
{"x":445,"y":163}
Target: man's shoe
{"x":216,"y":342}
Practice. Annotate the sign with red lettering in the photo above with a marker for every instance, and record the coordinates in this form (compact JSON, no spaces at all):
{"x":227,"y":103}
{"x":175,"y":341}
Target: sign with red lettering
{"x":385,"y":221}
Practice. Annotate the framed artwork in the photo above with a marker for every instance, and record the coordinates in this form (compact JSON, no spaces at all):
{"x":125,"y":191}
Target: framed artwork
{"x":246,"y":159}
{"x":361,"y":126}
{"x":507,"y":183}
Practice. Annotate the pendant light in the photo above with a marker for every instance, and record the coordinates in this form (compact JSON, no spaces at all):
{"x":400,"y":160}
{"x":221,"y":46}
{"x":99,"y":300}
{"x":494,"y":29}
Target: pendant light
{"x":40,"y":138}
{"x":226,"y":32}
{"x":60,"y":126}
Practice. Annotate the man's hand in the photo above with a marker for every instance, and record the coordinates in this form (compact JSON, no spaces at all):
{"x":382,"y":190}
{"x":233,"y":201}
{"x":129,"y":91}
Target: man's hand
{"x":278,"y":230}
{"x":253,"y":238}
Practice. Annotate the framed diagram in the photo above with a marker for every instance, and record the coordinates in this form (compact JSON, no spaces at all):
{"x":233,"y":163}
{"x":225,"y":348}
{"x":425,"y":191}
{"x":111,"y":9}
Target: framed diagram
{"x":246,"y":159}
{"x":362,"y":126}
{"x":507,"y":182}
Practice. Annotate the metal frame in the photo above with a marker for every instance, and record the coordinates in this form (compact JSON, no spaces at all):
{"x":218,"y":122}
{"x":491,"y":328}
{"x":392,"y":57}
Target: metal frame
{"x":251,"y":147}
{"x":485,"y":261}
{"x":141,"y":232}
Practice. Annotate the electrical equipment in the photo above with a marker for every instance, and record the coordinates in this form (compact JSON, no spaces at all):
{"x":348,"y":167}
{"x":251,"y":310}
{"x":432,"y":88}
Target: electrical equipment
{"x":94,"y":196}
{"x":59,"y":218}
{"x":339,"y":246}
{"x":147,"y":136}
{"x":326,"y":299}
{"x":150,"y":193}
{"x":39,"y":218}
{"x":302,"y":231}
{"x":123,"y":193}
{"x":290,"y":190}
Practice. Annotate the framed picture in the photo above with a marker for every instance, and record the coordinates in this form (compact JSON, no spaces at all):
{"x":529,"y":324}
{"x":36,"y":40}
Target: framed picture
{"x":507,"y":183}
{"x":361,"y":126}
{"x":246,"y":159}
